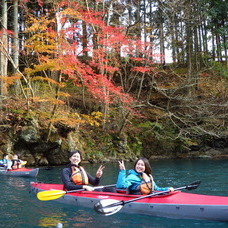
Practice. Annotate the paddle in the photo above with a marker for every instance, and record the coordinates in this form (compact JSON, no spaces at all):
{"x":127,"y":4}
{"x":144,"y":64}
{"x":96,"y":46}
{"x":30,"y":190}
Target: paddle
{"x":23,"y":163}
{"x":55,"y":194}
{"x":109,"y":207}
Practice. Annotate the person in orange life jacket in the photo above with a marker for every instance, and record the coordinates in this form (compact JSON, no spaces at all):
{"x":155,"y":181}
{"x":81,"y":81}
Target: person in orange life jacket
{"x":16,"y":162}
{"x":139,"y":180}
{"x":75,"y":177}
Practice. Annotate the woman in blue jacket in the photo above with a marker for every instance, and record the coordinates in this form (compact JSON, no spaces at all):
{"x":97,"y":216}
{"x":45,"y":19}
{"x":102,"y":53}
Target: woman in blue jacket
{"x":139,"y":180}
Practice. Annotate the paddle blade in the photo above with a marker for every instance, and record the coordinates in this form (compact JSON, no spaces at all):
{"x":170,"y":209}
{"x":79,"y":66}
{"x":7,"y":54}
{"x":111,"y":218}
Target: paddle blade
{"x":108,"y":207}
{"x":50,"y":195}
{"x":193,"y":185}
{"x":23,"y":163}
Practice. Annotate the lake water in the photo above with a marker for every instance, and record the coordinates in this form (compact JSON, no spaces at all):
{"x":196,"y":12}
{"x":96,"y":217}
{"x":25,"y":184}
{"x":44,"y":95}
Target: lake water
{"x":21,"y":209}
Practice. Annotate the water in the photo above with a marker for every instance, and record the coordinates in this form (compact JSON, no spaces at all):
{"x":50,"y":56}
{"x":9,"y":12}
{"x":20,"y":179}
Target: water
{"x":21,"y":209}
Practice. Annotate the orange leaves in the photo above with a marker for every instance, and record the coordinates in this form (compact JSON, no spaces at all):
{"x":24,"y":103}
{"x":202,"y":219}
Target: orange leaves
{"x":54,"y":82}
{"x":141,"y":69}
{"x":58,"y":45}
{"x":10,"y":80}
{"x":110,"y":69}
{"x":50,"y":100}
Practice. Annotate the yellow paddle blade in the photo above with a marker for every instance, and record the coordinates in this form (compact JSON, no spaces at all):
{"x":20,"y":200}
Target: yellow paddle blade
{"x":50,"y":195}
{"x":24,"y":163}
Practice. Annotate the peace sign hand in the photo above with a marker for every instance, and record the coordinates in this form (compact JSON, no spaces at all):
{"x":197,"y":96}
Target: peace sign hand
{"x":121,"y":165}
{"x":100,"y":171}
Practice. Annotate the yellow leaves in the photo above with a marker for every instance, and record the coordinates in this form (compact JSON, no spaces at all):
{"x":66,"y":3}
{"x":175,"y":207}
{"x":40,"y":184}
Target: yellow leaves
{"x":70,"y":12}
{"x":62,"y":94}
{"x":38,"y":24}
{"x":46,"y":64}
{"x":72,"y":120}
{"x":97,"y":115}
{"x":42,"y":38}
{"x":10,"y":80}
{"x":28,"y":71}
{"x":40,"y":78}
{"x":94,"y":119}
{"x":50,"y":100}
{"x":41,"y":43}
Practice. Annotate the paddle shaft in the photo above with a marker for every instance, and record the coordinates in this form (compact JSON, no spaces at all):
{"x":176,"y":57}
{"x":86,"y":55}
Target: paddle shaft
{"x":152,"y":194}
{"x":79,"y":190}
{"x":189,"y":187}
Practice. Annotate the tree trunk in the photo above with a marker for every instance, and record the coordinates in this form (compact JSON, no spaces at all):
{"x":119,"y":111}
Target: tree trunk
{"x":213,"y":44}
{"x":84,"y":39}
{"x":161,"y":38}
{"x":189,"y":47}
{"x":4,"y":49}
{"x":15,"y":44}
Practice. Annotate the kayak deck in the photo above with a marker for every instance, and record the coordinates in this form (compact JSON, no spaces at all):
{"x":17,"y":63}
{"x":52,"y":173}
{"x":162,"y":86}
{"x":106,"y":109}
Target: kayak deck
{"x":171,"y":198}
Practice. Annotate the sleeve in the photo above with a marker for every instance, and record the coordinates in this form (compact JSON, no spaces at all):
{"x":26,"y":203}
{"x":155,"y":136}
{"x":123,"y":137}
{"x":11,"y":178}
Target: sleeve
{"x":11,"y":163}
{"x":68,"y":184}
{"x":122,"y":180}
{"x":93,"y":180}
{"x":157,"y":188}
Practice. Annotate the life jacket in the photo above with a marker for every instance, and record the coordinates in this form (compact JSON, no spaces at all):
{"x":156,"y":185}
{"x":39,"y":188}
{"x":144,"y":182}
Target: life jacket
{"x":79,"y":176}
{"x":16,"y":164}
{"x":4,"y":162}
{"x":147,"y":187}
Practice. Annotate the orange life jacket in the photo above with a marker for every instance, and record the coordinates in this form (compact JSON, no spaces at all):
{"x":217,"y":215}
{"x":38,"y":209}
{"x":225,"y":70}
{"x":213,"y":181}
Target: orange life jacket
{"x":147,"y":187}
{"x":79,"y":176}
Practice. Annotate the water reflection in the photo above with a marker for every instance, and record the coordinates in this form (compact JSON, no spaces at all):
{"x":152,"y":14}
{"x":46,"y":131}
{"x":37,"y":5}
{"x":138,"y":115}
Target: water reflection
{"x":19,"y":183}
{"x":52,"y":221}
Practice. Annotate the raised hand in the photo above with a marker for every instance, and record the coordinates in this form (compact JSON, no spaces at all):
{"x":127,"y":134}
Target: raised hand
{"x":100,"y":171}
{"x":121,"y":165}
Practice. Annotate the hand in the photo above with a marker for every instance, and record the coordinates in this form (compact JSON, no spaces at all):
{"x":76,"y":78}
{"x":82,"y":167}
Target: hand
{"x":121,"y":165}
{"x":171,"y":189}
{"x":100,"y":171}
{"x":88,"y":188}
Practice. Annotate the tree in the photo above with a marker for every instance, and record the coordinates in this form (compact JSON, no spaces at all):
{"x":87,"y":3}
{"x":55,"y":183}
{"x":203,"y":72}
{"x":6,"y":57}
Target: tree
{"x":4,"y":49}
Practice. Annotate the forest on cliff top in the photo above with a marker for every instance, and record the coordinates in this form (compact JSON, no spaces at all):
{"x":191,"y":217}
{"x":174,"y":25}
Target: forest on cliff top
{"x":130,"y":77}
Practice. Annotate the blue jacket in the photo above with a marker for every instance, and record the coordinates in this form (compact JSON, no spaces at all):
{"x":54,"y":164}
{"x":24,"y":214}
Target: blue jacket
{"x":5,"y":163}
{"x":133,"y":181}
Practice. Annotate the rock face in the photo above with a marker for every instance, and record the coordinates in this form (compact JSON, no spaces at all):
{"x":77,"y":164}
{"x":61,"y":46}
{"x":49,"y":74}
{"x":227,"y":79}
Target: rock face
{"x":31,"y":144}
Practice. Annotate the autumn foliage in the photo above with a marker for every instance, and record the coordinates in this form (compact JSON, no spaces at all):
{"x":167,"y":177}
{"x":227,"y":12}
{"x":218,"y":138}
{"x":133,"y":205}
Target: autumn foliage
{"x":72,"y":53}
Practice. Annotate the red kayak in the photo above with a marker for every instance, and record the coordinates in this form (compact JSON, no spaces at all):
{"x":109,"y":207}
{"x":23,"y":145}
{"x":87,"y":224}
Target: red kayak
{"x":173,"y":205}
{"x":22,"y":172}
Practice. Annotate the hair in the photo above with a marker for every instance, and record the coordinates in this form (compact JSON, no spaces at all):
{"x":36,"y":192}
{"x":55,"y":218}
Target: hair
{"x":148,"y":168}
{"x":4,"y":155}
{"x":71,"y":153}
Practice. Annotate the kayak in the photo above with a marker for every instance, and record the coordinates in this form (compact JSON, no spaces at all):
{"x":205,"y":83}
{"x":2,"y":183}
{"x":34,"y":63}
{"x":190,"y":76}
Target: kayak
{"x":21,"y":172}
{"x":176,"y":204}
